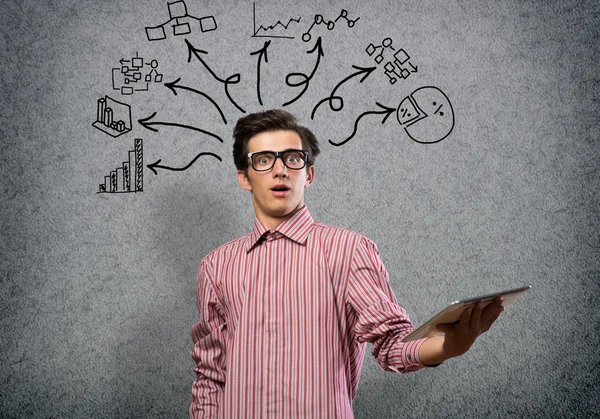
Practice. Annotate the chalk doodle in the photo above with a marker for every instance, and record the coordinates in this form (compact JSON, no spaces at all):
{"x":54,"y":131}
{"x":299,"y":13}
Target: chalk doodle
{"x":262,"y":53}
{"x":148,"y":123}
{"x":180,"y":22}
{"x":301,"y":79}
{"x":399,"y":67}
{"x":133,"y":73}
{"x":129,"y":177}
{"x":330,"y":24}
{"x":263,"y":31}
{"x":112,"y":117}
{"x":336,"y":103}
{"x":157,"y":165}
{"x":426,"y":115}
{"x":233,"y":79}
{"x":173,"y":86}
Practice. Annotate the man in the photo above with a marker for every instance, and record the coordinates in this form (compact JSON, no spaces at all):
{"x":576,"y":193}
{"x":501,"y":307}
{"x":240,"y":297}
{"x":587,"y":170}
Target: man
{"x":286,"y":311}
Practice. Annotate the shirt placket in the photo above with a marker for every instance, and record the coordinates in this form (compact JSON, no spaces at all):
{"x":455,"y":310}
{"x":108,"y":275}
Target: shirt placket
{"x":271,"y":326}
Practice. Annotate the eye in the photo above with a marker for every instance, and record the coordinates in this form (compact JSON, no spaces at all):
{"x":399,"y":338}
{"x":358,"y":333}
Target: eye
{"x":264,"y":159}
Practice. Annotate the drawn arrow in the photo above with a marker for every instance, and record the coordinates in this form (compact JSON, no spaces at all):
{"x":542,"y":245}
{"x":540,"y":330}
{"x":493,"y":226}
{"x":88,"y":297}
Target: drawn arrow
{"x":304,"y":79}
{"x":149,"y":125}
{"x":414,"y":69}
{"x":173,"y":86}
{"x":365,"y":71}
{"x":386,"y":110}
{"x":123,"y":61}
{"x":233,"y":79}
{"x":261,"y":53}
{"x":156,"y":164}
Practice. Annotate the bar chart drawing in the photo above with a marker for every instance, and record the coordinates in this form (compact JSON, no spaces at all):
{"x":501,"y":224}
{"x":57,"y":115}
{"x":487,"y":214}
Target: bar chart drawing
{"x":129,"y":177}
{"x":112,"y":117}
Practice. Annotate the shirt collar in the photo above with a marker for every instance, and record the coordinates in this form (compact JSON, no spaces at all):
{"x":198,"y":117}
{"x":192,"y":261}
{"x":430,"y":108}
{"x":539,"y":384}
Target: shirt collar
{"x":295,"y":228}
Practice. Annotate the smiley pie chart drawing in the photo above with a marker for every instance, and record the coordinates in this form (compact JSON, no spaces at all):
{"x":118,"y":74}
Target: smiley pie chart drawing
{"x":426,"y":115}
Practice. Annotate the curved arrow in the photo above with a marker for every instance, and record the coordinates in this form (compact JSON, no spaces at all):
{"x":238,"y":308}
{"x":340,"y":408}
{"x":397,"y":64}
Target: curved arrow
{"x":305,"y":79}
{"x":361,"y":70}
{"x":261,"y":53}
{"x":149,"y":125}
{"x":173,"y":85}
{"x":233,"y":79}
{"x":156,"y":164}
{"x":386,"y":110}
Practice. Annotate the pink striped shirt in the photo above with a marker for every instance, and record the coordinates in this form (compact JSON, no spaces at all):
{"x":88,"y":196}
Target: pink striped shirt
{"x":284,"y":320}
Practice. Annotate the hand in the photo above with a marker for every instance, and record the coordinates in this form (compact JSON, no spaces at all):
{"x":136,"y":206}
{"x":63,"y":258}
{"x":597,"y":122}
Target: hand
{"x":474,"y":321}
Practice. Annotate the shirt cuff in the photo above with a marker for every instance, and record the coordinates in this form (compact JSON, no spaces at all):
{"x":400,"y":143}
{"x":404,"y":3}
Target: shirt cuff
{"x":409,"y":356}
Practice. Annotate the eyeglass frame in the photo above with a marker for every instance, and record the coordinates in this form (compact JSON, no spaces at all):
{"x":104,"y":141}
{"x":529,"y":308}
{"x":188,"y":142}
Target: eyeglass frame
{"x":279,"y":154}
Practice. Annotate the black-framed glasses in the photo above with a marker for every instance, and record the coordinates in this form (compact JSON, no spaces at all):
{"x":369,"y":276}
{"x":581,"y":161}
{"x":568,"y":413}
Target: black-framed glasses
{"x":262,"y":161}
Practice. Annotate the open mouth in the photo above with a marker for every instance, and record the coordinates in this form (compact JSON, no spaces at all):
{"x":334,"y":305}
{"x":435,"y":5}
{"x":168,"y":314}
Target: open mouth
{"x":280,"y":188}
{"x":280,"y":191}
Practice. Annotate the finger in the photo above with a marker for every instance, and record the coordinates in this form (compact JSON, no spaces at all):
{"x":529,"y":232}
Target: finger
{"x":492,"y":309}
{"x":491,"y":320}
{"x":465,"y":318}
{"x":475,"y":321}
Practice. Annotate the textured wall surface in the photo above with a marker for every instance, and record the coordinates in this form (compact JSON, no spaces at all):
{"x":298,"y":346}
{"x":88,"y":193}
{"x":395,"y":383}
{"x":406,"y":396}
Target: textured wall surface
{"x":496,"y":186}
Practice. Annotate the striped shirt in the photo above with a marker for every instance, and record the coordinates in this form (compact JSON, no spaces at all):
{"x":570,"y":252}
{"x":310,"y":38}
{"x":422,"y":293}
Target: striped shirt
{"x":284,"y":320}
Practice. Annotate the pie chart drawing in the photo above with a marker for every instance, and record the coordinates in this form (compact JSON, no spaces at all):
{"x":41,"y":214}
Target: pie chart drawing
{"x":426,"y":115}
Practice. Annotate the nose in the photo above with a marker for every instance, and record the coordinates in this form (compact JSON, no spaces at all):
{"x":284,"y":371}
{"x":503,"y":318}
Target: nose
{"x":279,"y":169}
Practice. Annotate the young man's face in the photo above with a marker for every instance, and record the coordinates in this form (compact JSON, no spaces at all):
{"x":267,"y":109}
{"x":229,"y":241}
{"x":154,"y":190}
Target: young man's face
{"x":277,"y":194}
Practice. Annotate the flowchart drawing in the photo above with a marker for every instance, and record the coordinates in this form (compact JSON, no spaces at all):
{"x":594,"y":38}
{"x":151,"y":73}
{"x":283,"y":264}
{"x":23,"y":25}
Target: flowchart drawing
{"x":135,"y":75}
{"x":180,"y":22}
{"x":112,"y":117}
{"x":129,"y":177}
{"x":399,"y":67}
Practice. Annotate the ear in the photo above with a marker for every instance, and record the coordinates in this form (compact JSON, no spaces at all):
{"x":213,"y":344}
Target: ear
{"x":244,"y":181}
{"x":310,"y":176}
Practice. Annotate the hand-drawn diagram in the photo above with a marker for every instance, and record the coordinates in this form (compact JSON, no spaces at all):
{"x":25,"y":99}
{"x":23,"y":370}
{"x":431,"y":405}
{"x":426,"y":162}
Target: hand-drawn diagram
{"x":422,"y":114}
{"x":129,"y":77}
{"x":181,"y":22}
{"x":399,"y":67}
{"x":336,"y":103}
{"x":149,"y":124}
{"x":301,"y":79}
{"x":112,"y":117}
{"x":233,"y":79}
{"x":156,"y":164}
{"x":129,"y":177}
{"x":319,"y":20}
{"x":174,"y":85}
{"x":262,"y":31}
{"x":426,"y":115}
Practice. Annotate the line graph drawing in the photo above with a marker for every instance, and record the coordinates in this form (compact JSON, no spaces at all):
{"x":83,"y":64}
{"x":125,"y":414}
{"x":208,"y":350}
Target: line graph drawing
{"x":261,"y":31}
{"x":320,"y":20}
{"x":181,"y":22}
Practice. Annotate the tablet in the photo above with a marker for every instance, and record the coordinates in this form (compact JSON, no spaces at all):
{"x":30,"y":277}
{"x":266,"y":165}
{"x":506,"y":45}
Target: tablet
{"x":452,"y":313}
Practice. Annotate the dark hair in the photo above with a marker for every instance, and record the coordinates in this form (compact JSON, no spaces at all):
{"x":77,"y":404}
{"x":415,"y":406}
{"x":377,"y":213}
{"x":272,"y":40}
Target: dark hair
{"x":270,"y":120}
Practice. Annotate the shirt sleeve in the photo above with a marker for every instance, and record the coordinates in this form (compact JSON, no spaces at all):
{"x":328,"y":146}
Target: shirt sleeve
{"x":381,"y":321}
{"x":209,"y":337}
